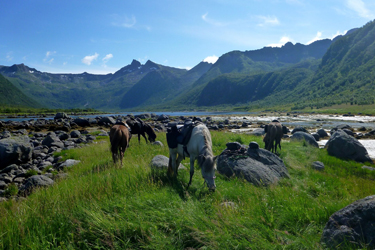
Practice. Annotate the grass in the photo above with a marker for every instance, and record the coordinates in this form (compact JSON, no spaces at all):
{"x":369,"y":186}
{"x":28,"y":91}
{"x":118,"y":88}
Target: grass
{"x":107,"y":206}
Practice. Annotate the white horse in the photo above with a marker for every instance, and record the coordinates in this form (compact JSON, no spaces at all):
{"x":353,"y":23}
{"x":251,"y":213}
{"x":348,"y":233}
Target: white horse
{"x":200,"y":148}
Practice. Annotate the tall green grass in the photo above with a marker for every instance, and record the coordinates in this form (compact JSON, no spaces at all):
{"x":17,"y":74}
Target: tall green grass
{"x":107,"y":206}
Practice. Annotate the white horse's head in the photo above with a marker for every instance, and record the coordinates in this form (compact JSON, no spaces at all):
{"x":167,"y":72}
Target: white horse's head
{"x":208,"y":167}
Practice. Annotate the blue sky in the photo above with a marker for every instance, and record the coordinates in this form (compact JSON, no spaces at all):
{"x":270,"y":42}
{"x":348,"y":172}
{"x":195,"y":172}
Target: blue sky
{"x":75,"y":36}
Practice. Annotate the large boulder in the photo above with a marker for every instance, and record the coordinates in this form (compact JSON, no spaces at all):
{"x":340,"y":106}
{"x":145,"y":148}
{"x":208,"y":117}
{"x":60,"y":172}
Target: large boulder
{"x":299,"y":129}
{"x":52,"y":140}
{"x":353,"y":226}
{"x":302,"y":136}
{"x":258,"y":166}
{"x":61,"y":115}
{"x":344,"y":146}
{"x":17,"y":149}
{"x":107,"y":121}
{"x":82,"y":122}
{"x":257,"y":132}
{"x":160,"y":162}
{"x":34,"y":182}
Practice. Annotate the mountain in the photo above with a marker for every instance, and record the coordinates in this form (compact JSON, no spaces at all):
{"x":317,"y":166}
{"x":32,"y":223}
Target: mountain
{"x":322,"y":73}
{"x":11,"y":96}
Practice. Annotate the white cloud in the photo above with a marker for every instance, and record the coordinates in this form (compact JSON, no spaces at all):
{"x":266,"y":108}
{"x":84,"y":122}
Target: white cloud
{"x":124,"y":21}
{"x":107,"y":58}
{"x":268,"y":21}
{"x":9,"y":56}
{"x":283,"y":40}
{"x":359,"y":7}
{"x":48,"y":55}
{"x":316,"y":38}
{"x":211,"y":21}
{"x":88,"y":59}
{"x":338,"y":33}
{"x":211,"y":59}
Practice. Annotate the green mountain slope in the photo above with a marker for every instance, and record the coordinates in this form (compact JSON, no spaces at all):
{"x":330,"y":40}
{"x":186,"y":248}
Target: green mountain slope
{"x":12,"y":97}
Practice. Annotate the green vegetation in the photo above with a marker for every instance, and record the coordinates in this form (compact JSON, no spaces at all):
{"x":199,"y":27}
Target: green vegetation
{"x":19,"y":111}
{"x":11,"y":96}
{"x":107,"y":206}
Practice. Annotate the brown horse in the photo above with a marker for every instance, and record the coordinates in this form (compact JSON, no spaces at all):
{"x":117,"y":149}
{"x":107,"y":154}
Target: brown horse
{"x":274,"y":133}
{"x":119,"y":137}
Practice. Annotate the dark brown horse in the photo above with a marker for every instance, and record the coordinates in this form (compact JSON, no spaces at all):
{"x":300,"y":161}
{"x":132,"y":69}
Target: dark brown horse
{"x":137,"y":126}
{"x":119,"y":137}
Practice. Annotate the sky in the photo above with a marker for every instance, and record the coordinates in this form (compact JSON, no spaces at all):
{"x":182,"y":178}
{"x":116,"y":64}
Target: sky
{"x":100,"y":37}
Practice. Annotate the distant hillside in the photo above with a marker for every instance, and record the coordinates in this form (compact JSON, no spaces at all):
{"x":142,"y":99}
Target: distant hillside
{"x":13,"y":97}
{"x":322,"y":73}
{"x":346,"y":74}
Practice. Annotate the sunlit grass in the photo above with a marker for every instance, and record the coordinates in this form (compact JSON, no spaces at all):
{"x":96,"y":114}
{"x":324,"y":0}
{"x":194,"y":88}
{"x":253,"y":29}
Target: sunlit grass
{"x":102,"y":205}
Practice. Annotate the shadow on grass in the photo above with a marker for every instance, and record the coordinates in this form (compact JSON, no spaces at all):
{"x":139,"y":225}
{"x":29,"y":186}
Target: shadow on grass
{"x":179,"y":186}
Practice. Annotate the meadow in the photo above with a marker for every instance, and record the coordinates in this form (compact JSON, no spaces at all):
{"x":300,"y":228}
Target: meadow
{"x":106,"y":206}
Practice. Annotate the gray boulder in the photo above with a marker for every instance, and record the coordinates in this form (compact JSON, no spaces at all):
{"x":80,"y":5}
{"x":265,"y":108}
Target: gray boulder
{"x":322,"y":133}
{"x":34,"y":182}
{"x":318,"y":165}
{"x":81,"y":122}
{"x":75,"y":134}
{"x":61,"y":115}
{"x":258,"y":166}
{"x":162,"y":117}
{"x":344,"y":146}
{"x":257,"y":132}
{"x":16,"y":150}
{"x":299,"y":129}
{"x":160,"y":162}
{"x":68,"y":163}
{"x":107,"y":120}
{"x":352,"y":227}
{"x":302,"y":136}
{"x":52,"y":140}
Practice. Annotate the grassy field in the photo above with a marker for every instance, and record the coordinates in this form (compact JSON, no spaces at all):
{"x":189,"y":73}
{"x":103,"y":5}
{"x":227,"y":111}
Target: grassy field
{"x":106,"y":206}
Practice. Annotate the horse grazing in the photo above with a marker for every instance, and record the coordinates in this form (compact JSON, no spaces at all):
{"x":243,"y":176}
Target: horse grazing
{"x":119,"y":136}
{"x":274,"y":133}
{"x":199,"y":148}
{"x":137,"y":126}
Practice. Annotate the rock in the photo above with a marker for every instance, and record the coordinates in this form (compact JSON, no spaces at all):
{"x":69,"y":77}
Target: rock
{"x":81,"y":122}
{"x":162,"y":118}
{"x":3,"y":185}
{"x":75,"y":134}
{"x":107,"y":120}
{"x":68,"y":163}
{"x":157,"y":143}
{"x":52,"y":140}
{"x":353,"y":226}
{"x":300,"y":136}
{"x":258,"y":166}
{"x":16,"y":150}
{"x":34,"y":182}
{"x":344,"y":146}
{"x":316,"y":136}
{"x":257,"y":132}
{"x":5,"y":134}
{"x":368,"y":168}
{"x":160,"y":162}
{"x":348,"y":131}
{"x":229,"y":204}
{"x":299,"y":129}
{"x":253,"y":145}
{"x":318,"y":165}
{"x":10,"y":168}
{"x":322,"y":133}
{"x":61,"y":115}
{"x":143,"y":116}
{"x":233,"y":145}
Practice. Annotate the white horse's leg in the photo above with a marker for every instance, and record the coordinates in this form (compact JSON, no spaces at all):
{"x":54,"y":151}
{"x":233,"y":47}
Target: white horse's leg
{"x":192,"y":160}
